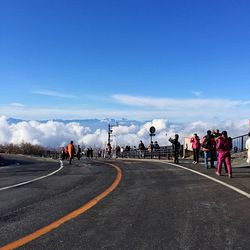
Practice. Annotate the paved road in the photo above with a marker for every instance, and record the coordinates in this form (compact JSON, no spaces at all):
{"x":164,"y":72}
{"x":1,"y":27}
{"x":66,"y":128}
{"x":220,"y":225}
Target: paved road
{"x":155,"y":206}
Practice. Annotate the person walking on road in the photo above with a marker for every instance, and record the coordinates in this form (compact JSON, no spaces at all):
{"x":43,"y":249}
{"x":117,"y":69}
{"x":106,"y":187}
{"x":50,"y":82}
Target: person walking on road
{"x":248,"y":148}
{"x":224,"y":146}
{"x":195,"y":140}
{"x":176,"y":147}
{"x":71,"y":151}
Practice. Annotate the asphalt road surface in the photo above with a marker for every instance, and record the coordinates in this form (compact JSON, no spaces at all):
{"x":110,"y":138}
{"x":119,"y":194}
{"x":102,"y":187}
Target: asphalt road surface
{"x":155,"y":206}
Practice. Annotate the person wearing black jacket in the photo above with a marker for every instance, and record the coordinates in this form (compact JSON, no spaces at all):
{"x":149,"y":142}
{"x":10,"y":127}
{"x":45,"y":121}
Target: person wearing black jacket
{"x":176,"y":147}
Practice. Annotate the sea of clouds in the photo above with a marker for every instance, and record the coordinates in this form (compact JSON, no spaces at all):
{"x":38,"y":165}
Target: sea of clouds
{"x":56,"y":134}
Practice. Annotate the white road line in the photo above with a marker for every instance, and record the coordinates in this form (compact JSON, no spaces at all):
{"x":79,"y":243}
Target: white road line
{"x":33,"y":180}
{"x":204,"y":175}
{"x":213,"y":179}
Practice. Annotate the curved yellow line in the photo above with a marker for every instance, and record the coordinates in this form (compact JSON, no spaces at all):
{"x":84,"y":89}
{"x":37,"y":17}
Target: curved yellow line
{"x":67,"y":217}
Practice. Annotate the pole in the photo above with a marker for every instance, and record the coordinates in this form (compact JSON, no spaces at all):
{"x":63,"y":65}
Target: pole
{"x":109,"y":133}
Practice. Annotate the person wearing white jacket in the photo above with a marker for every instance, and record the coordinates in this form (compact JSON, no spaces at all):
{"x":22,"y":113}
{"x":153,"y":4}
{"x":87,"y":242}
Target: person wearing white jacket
{"x":248,"y":148}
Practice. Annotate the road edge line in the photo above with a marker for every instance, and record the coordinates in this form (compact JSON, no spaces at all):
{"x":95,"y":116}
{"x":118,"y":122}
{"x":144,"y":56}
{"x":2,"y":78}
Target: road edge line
{"x":213,"y":179}
{"x":33,"y":180}
{"x":194,"y":171}
{"x":30,"y":237}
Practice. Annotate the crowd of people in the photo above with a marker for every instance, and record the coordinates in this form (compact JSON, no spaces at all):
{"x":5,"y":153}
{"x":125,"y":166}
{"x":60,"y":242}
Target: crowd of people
{"x":214,"y":146}
{"x":69,"y":152}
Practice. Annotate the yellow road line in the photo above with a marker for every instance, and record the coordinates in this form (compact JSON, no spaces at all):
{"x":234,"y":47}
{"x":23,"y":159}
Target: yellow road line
{"x":67,"y":217}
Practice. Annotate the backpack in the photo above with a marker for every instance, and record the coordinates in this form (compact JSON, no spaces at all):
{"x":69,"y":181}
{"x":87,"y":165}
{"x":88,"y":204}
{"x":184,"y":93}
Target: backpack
{"x":207,"y":143}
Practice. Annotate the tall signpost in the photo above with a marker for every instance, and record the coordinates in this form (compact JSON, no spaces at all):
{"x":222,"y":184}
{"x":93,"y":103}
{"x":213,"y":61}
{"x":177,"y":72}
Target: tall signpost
{"x":109,"y":133}
{"x":152,"y":133}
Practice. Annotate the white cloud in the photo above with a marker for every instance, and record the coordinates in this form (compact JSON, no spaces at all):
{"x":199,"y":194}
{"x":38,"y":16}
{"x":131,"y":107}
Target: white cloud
{"x":56,"y":134}
{"x":53,"y":93}
{"x":17,"y":104}
{"x":197,"y":93}
{"x":176,"y":104}
{"x":188,"y":109}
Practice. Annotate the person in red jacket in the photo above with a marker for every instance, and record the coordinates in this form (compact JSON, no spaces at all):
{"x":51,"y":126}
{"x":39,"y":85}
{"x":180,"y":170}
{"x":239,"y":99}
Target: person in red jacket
{"x":224,"y":146}
{"x":195,"y":140}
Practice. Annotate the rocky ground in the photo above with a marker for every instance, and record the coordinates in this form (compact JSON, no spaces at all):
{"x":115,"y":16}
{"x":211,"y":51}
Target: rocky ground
{"x":239,"y":159}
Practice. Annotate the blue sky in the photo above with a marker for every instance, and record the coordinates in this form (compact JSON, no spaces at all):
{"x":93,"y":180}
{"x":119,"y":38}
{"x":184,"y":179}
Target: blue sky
{"x":140,"y":59}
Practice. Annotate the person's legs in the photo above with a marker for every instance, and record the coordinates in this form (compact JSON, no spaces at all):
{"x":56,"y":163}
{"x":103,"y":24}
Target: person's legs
{"x":225,"y":166}
{"x":220,"y":161}
{"x":212,"y":158}
{"x":229,"y":167}
{"x":206,"y":159}
{"x":194,"y":152}
{"x":176,"y":157}
{"x":197,"y":155}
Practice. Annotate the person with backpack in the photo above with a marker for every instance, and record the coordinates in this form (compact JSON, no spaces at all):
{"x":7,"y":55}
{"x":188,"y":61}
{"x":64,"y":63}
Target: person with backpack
{"x":224,"y":146}
{"x":176,"y":147}
{"x":141,"y":149}
{"x":195,"y":140}
{"x":208,"y":145}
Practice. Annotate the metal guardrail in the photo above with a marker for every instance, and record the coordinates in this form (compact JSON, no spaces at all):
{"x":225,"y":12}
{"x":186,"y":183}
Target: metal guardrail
{"x":239,"y":143}
{"x":165,"y":152}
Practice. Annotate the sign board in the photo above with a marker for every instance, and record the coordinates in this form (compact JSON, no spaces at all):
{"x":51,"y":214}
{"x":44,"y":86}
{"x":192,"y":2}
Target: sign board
{"x":152,"y":130}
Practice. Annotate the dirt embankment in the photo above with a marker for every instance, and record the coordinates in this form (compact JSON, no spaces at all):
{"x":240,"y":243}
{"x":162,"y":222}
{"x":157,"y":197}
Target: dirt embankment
{"x":239,"y":159}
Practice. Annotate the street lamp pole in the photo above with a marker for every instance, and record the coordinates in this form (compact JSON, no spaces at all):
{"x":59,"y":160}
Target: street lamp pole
{"x":109,"y":133}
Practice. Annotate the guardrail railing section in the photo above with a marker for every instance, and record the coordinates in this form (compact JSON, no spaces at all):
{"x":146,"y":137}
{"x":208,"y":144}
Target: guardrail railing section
{"x":239,"y":143}
{"x":165,"y":152}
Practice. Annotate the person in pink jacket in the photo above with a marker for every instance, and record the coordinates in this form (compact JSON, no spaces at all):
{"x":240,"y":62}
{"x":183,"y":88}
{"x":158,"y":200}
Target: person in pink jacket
{"x":224,"y":146}
{"x":195,"y":140}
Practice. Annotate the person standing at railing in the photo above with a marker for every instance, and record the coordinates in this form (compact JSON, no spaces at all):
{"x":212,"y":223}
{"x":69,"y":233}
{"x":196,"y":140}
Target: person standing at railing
{"x":109,"y":150}
{"x":176,"y":147}
{"x":195,"y":140}
{"x":248,"y":148}
{"x":117,"y":151}
{"x":141,"y":148}
{"x":156,"y":146}
{"x":79,"y":152}
{"x":151,"y":147}
{"x":224,"y":146}
{"x":156,"y":149}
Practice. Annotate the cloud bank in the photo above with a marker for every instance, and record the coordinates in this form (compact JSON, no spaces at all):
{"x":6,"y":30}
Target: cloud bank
{"x":57,"y":134}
